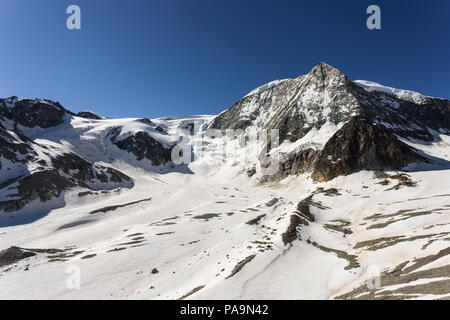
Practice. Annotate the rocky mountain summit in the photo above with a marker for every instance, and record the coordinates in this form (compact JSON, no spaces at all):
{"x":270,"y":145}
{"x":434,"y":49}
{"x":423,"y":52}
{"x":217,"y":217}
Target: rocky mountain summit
{"x":295,"y":106}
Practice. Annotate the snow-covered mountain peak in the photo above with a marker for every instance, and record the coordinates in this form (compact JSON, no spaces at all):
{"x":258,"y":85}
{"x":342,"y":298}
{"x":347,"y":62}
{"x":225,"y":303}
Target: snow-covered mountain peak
{"x":326,"y":95}
{"x":324,"y":69}
{"x":327,"y":75}
{"x":295,"y":106}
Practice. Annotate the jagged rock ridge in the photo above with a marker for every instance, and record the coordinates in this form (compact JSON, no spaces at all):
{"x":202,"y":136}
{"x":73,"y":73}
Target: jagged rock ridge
{"x":295,"y":106}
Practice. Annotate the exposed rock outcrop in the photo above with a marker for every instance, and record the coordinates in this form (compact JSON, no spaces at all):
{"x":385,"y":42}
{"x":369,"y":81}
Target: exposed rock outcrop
{"x":33,"y":112}
{"x":13,"y":255}
{"x":358,"y":145}
{"x":68,"y":171}
{"x":362,"y":145}
{"x":89,"y":115}
{"x":143,"y":146}
{"x":13,"y":148}
{"x":302,"y":162}
{"x":42,"y":185}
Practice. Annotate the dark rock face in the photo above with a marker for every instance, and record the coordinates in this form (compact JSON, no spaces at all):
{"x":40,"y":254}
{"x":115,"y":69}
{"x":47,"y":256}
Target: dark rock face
{"x":13,"y":148}
{"x":70,"y":161}
{"x":142,"y":145}
{"x":402,"y":117}
{"x":433,"y":112}
{"x":251,"y":172}
{"x":13,"y":255}
{"x":361,"y":145}
{"x":291,"y":233}
{"x":67,"y":171}
{"x":146,"y":120}
{"x":160,"y":129}
{"x":89,"y":115}
{"x":116,"y":176}
{"x":43,"y":185}
{"x":302,"y":162}
{"x":33,"y":112}
{"x":358,"y":145}
{"x":81,"y":171}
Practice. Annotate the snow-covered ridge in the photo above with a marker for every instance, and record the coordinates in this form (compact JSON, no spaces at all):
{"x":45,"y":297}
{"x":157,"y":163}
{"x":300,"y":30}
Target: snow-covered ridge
{"x":12,"y":101}
{"x":265,"y":87}
{"x":399,"y":93}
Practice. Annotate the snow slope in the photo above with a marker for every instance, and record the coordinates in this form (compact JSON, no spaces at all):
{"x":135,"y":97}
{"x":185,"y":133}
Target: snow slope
{"x":194,"y":232}
{"x":193,"y":228}
{"x":400,"y":93}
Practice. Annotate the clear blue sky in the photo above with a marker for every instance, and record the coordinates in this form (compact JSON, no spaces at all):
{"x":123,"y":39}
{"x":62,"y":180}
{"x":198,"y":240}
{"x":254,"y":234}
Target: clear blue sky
{"x":149,"y":58}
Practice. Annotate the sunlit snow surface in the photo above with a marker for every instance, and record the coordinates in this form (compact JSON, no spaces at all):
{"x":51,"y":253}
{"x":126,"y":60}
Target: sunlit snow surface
{"x":399,"y":93}
{"x":192,"y":226}
{"x":265,"y":87}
